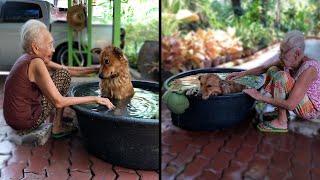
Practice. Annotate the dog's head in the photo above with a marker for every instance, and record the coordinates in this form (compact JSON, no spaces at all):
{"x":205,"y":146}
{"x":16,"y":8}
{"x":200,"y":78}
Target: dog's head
{"x":112,"y":62}
{"x":210,"y":85}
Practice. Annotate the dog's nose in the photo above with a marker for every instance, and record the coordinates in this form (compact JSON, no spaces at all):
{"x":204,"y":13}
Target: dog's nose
{"x":101,"y":76}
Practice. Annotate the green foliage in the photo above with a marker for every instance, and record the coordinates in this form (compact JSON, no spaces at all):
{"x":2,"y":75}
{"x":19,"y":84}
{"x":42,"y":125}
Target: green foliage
{"x":105,"y":17}
{"x":171,"y":6}
{"x":298,"y":17}
{"x":169,"y":25}
{"x":140,"y":24}
{"x":257,"y":27}
{"x":222,"y":16}
{"x":253,"y":35}
{"x":137,"y":34}
{"x":249,"y":27}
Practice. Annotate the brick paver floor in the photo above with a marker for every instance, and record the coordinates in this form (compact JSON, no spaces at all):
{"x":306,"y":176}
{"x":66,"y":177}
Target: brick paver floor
{"x":238,"y":153}
{"x":57,"y":159}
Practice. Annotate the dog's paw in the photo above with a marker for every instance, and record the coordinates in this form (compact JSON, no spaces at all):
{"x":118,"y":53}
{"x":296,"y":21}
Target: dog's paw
{"x":193,"y":92}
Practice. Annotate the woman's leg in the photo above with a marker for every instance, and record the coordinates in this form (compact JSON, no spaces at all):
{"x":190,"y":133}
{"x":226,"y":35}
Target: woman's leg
{"x":57,"y":122}
{"x":62,"y":80}
{"x":306,"y":109}
{"x":282,"y":120}
{"x":270,"y":75}
{"x":279,"y":85}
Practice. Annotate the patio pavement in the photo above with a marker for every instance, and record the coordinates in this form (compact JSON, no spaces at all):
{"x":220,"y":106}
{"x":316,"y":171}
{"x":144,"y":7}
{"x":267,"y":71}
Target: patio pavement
{"x":237,"y":153}
{"x":242,"y":152}
{"x":57,"y":159}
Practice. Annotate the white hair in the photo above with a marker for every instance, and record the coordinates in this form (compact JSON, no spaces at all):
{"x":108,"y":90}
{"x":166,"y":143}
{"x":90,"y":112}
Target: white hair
{"x":30,"y":32}
{"x":294,"y":39}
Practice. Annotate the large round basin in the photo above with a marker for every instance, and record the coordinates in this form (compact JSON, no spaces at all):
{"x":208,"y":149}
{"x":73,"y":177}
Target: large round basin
{"x":217,"y":112}
{"x":121,"y":140}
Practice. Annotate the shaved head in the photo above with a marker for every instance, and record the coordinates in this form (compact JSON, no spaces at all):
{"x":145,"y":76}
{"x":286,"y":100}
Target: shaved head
{"x":293,"y":39}
{"x":32,"y":31}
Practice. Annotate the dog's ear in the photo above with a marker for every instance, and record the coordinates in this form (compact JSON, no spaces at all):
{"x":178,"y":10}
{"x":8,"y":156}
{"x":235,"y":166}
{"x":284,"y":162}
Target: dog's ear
{"x":96,"y":50}
{"x":118,"y":52}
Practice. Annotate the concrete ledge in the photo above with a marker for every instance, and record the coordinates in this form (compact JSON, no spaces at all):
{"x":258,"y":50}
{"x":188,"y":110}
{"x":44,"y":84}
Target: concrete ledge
{"x":305,"y":127}
{"x":37,"y":137}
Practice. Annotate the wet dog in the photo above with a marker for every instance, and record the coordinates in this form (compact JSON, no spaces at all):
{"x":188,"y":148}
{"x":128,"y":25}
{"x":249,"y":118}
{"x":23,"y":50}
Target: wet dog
{"x":114,"y":73}
{"x":213,"y":85}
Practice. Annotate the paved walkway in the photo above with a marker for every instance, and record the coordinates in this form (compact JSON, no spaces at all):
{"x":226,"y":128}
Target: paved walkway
{"x":262,"y":57}
{"x":57,"y":159}
{"x":238,"y":153}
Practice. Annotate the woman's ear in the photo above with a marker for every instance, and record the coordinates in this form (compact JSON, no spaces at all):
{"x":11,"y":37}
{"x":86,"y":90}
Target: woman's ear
{"x":35,"y":48}
{"x":96,"y":51}
{"x":298,"y":53}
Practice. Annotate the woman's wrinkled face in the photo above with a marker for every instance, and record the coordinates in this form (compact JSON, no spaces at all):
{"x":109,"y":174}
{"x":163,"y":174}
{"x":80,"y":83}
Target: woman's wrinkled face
{"x":44,"y":45}
{"x":290,"y":57}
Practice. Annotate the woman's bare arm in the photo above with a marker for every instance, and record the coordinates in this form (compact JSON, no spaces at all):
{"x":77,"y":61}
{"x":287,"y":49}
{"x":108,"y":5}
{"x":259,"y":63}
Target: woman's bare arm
{"x":40,"y":75}
{"x":80,"y":71}
{"x":275,"y":61}
{"x":298,"y":92}
{"x":74,"y":71}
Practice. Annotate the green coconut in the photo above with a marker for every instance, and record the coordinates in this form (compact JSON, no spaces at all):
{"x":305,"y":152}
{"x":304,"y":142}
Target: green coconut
{"x":177,"y":103}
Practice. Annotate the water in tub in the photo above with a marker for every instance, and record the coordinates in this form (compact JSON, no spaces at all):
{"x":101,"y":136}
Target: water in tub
{"x":144,"y":104}
{"x":184,"y":84}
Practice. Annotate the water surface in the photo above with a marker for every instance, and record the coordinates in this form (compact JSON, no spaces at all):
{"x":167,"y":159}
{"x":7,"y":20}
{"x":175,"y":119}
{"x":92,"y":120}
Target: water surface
{"x":144,"y":103}
{"x":190,"y":82}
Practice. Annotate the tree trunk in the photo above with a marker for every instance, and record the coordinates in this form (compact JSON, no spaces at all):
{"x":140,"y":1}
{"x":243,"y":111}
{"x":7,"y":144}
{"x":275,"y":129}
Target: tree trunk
{"x":263,"y":15}
{"x":237,"y":9}
{"x":278,"y":14}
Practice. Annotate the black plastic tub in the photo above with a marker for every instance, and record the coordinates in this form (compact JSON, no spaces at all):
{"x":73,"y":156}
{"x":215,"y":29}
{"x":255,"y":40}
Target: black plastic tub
{"x":124,"y":141}
{"x":217,"y":112}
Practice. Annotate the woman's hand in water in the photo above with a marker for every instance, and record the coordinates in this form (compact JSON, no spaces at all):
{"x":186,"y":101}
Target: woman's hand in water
{"x":235,"y":75}
{"x":106,"y":102}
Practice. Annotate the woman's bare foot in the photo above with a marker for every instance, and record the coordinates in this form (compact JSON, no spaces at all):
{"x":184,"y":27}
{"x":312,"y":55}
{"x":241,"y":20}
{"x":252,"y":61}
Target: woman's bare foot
{"x":282,"y":121}
{"x":281,"y":124}
{"x":61,"y":127}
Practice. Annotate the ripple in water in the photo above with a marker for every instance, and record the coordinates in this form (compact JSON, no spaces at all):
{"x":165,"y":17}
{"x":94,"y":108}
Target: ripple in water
{"x":144,"y":104}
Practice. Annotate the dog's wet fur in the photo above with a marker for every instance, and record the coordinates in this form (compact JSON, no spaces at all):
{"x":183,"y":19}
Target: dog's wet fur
{"x":114,"y":73}
{"x":213,"y":85}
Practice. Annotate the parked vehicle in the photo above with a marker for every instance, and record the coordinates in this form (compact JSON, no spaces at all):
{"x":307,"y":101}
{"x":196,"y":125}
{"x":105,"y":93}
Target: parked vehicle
{"x":14,"y":13}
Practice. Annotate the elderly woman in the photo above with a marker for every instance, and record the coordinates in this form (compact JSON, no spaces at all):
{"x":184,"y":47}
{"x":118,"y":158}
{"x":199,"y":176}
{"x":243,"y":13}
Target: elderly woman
{"x":293,"y":82}
{"x":31,"y":93}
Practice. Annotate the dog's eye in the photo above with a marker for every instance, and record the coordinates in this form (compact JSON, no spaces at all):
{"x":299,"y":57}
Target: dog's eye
{"x":209,"y":85}
{"x":106,"y":61}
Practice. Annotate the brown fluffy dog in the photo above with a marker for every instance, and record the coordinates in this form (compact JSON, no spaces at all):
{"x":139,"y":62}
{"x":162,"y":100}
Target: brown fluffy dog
{"x":114,"y":73}
{"x":211,"y":84}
